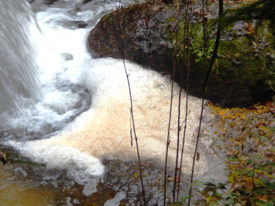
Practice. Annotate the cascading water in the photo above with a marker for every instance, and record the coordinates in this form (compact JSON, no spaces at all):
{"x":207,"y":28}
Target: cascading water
{"x":41,"y":76}
{"x":19,"y":36}
{"x":100,"y":126}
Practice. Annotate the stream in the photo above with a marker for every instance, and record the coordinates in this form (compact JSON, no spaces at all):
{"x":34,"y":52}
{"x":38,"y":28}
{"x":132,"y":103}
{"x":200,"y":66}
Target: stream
{"x":69,"y":113}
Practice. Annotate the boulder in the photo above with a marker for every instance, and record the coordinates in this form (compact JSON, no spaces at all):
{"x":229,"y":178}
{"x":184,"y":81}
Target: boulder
{"x":145,"y":34}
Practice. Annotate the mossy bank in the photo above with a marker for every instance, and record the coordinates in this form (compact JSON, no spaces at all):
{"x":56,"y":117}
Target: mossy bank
{"x":243,"y":73}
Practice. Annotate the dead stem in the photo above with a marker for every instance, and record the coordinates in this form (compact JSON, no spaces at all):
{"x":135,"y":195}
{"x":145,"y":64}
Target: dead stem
{"x":132,"y":128}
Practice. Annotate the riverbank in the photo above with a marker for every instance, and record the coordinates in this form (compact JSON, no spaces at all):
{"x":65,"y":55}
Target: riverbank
{"x":247,"y":135}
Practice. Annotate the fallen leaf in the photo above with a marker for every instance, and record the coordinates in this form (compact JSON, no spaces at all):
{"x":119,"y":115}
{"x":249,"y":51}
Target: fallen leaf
{"x":249,"y":185}
{"x":233,"y":177}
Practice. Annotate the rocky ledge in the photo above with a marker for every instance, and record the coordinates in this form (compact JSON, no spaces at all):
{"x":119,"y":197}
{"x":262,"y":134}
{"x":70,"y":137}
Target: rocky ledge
{"x":143,"y":30}
{"x":145,"y":34}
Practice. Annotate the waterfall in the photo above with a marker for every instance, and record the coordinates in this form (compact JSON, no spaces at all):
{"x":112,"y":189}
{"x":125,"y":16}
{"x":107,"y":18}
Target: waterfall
{"x":18,"y":65}
{"x":82,"y":114}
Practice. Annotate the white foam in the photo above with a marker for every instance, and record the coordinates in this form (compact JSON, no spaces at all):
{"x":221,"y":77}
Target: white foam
{"x":116,"y":200}
{"x":90,"y":187}
{"x":104,"y":130}
{"x":80,"y":166}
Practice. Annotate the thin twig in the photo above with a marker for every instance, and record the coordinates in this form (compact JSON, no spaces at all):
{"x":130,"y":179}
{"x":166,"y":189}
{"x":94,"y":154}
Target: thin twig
{"x":179,"y":113}
{"x":195,"y":153}
{"x":169,"y":122}
{"x":168,"y":136}
{"x":204,"y":86}
{"x":131,"y":103}
{"x":216,"y":46}
{"x":187,"y":53}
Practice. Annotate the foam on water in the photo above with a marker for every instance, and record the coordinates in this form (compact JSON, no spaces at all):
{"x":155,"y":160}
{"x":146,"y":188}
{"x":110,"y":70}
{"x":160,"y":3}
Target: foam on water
{"x":61,"y":57}
{"x":103,"y":131}
{"x":79,"y":166}
{"x":60,"y":54}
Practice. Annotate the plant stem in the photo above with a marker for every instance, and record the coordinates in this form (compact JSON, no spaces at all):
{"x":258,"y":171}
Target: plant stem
{"x":131,"y":104}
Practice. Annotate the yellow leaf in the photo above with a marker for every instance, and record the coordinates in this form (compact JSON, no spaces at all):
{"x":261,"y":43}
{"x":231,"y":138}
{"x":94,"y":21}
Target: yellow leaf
{"x":136,"y":174}
{"x":233,"y":177}
{"x":208,"y":199}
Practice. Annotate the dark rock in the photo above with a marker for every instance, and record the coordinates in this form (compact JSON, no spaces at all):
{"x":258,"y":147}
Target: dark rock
{"x":76,"y":24}
{"x":143,"y":30}
{"x":86,"y":1}
{"x":81,"y":24}
{"x":49,"y":1}
{"x":142,"y":34}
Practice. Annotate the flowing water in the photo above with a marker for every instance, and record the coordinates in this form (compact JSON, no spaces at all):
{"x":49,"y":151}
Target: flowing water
{"x":19,"y":65}
{"x":68,"y":111}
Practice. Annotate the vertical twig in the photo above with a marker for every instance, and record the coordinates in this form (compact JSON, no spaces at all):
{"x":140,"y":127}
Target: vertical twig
{"x":168,"y":136}
{"x":216,"y":46}
{"x":179,"y":108}
{"x":169,"y":121}
{"x":186,"y":58}
{"x":204,"y":85}
{"x":195,"y":153}
{"x":131,"y":103}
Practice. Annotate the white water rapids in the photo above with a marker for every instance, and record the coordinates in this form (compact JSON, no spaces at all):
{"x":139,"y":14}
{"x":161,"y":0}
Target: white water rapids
{"x":93,"y":94}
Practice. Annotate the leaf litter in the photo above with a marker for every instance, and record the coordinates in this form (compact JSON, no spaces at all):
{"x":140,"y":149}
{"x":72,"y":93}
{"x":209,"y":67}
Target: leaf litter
{"x":248,"y":138}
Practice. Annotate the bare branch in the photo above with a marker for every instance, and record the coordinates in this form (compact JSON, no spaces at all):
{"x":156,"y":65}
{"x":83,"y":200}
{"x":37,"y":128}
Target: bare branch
{"x":118,"y":6}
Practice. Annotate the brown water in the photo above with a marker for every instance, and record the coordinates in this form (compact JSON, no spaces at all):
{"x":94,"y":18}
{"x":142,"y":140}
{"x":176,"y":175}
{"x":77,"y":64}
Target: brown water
{"x":15,"y":191}
{"x":20,"y":185}
{"x":23,"y":184}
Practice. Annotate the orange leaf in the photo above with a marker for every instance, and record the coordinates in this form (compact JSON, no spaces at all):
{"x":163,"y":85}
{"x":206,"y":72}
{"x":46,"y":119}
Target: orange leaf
{"x":221,"y":112}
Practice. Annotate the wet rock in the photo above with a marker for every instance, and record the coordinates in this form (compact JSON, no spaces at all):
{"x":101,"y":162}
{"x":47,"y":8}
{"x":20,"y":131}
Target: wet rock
{"x":76,"y":24}
{"x":49,"y":1}
{"x":145,"y":34}
{"x":81,"y":24}
{"x":86,"y":1}
{"x":143,"y":30}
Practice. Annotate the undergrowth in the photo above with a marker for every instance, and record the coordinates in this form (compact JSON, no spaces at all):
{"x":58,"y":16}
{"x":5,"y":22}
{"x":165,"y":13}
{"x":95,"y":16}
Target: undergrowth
{"x":248,"y":137}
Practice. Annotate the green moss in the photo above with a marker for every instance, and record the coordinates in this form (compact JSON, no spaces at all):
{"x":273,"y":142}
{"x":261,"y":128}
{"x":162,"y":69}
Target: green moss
{"x":169,"y":20}
{"x":246,"y":58}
